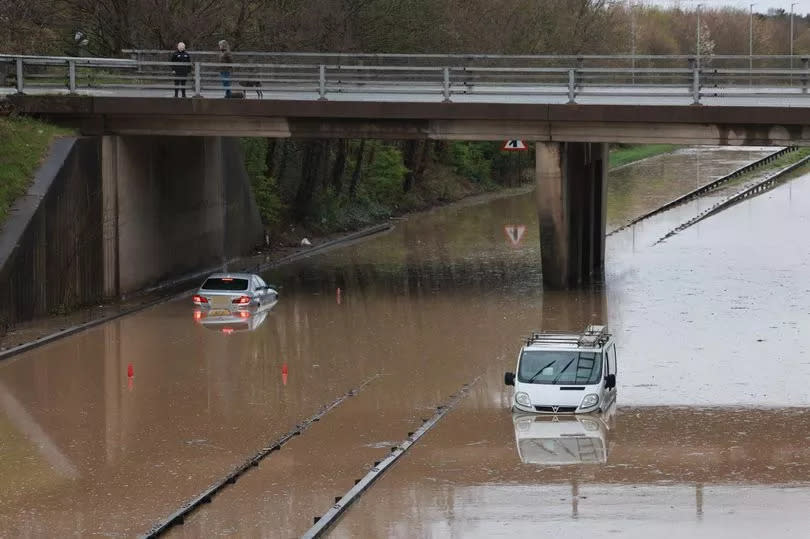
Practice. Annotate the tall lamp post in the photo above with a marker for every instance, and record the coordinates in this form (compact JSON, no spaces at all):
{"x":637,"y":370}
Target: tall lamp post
{"x":631,"y":7}
{"x":697,"y":37}
{"x":791,"y":40}
{"x":750,"y":43}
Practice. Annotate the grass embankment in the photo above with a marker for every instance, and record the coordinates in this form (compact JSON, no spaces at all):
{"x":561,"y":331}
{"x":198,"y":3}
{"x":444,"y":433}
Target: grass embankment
{"x":767,"y":169}
{"x":24,"y":143}
{"x":785,"y":160}
{"x":625,"y":154}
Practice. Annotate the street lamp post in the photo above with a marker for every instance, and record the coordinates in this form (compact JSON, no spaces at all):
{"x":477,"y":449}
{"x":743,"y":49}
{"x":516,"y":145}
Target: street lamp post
{"x":750,"y":43}
{"x":697,"y":37}
{"x":791,"y":41}
{"x":633,"y":41}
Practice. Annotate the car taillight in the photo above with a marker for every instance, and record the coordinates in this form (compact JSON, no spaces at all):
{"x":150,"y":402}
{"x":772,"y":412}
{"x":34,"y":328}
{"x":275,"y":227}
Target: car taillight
{"x":242,"y":300}
{"x":198,"y":299}
{"x":198,"y":315}
{"x":244,"y":314}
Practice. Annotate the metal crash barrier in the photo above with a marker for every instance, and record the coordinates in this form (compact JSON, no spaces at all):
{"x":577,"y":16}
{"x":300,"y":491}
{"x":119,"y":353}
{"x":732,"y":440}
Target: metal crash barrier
{"x":485,"y":78}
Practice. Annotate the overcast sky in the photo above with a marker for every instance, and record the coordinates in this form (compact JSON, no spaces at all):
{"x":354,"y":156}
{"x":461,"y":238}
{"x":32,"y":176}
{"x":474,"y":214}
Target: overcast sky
{"x":802,"y":6}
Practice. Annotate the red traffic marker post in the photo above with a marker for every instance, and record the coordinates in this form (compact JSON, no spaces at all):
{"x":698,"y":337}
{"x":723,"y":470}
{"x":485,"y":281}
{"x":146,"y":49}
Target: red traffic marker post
{"x":284,"y":372}
{"x":130,"y":377}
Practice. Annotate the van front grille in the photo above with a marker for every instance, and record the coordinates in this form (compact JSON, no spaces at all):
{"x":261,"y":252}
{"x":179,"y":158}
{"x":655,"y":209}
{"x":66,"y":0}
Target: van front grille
{"x":559,"y":409}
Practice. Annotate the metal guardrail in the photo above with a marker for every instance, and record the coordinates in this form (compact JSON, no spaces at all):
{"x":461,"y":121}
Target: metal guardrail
{"x":45,"y":74}
{"x":766,"y":184}
{"x":707,"y":188}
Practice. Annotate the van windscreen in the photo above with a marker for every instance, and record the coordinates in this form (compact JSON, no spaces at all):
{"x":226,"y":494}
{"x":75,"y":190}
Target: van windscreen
{"x":226,"y":284}
{"x":561,"y":367}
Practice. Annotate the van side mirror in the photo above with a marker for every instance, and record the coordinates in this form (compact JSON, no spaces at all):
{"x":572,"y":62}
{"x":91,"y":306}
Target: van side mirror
{"x":509,"y":378}
{"x":610,"y":381}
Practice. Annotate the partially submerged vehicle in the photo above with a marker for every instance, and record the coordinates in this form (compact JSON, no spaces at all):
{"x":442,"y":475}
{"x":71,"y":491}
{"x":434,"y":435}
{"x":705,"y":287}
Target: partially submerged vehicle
{"x":559,"y":441}
{"x":565,"y":373}
{"x":233,"y":291}
{"x":233,"y":302}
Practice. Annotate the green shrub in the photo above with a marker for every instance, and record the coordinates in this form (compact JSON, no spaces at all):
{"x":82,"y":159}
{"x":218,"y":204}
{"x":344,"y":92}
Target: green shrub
{"x":385,"y":177}
{"x":470,"y":160}
{"x":265,"y":188}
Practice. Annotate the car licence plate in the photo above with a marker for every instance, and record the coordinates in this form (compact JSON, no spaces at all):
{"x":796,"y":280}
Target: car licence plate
{"x":220,"y":301}
{"x":218,"y":312}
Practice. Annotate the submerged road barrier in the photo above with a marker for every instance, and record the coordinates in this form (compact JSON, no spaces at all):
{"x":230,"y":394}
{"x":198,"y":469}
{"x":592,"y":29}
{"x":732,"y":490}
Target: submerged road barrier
{"x":179,"y":516}
{"x":760,"y":187}
{"x":711,"y":186}
{"x":322,"y":524}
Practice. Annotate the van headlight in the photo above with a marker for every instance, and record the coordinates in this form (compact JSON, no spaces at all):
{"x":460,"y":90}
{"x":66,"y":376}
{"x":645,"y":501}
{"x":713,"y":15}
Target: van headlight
{"x":523,"y":399}
{"x":590,"y":401}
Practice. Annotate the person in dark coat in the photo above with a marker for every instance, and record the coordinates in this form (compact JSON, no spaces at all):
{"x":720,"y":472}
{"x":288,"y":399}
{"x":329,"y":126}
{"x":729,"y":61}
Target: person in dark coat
{"x":225,"y":58}
{"x":181,"y":65}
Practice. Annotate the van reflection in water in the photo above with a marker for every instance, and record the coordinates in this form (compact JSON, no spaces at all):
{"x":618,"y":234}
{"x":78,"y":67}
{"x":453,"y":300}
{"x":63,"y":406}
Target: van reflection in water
{"x":563,"y":440}
{"x":228,"y":322}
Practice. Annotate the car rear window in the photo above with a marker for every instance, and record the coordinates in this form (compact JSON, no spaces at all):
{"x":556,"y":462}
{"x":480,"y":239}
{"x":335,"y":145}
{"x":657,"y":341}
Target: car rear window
{"x":225,"y":283}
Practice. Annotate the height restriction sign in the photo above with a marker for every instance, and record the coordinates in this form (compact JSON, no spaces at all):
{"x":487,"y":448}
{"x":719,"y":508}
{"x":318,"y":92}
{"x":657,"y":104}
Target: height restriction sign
{"x":514,"y":146}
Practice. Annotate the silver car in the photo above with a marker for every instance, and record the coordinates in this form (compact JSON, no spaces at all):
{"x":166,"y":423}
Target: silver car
{"x":233,"y":291}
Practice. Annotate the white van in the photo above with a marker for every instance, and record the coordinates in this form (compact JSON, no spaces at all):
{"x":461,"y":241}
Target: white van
{"x":565,"y":373}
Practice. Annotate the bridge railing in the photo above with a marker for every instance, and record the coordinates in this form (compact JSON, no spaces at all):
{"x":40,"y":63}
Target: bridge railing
{"x":138,"y":77}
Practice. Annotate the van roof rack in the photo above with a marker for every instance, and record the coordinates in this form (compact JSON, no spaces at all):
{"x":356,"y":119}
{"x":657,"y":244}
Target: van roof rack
{"x":592,"y":337}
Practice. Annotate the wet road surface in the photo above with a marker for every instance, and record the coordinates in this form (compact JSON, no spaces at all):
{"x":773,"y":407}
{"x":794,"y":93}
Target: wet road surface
{"x":443,"y":298}
{"x":707,"y":323}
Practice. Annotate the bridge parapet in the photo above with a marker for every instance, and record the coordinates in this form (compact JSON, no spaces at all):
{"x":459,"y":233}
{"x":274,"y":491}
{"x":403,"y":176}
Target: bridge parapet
{"x":481,"y":78}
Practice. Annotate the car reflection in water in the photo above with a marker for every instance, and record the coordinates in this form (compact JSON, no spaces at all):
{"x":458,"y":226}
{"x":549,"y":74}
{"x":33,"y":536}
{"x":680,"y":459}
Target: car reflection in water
{"x":233,"y":321}
{"x":563,"y":440}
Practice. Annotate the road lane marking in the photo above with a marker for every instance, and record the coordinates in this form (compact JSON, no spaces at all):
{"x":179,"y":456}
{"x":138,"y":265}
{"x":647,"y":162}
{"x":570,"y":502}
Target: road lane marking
{"x":179,"y":516}
{"x":324,"y":523}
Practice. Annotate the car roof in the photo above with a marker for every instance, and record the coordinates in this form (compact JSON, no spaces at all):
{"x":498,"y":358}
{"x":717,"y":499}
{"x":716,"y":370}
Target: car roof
{"x":231,"y":276}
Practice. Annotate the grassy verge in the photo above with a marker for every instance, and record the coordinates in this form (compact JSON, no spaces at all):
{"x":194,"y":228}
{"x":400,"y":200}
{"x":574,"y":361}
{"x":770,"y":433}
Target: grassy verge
{"x":23,"y":145}
{"x":623,"y":155}
{"x":765,"y":170}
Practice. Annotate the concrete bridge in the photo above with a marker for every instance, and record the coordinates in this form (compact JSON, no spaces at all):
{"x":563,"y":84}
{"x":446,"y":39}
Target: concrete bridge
{"x":571,"y":107}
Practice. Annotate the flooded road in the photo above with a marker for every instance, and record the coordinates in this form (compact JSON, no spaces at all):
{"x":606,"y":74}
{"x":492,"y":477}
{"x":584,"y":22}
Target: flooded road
{"x":707,"y":321}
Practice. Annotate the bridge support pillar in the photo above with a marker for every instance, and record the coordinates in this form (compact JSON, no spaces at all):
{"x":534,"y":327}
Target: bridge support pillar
{"x":571,"y":197}
{"x":173,"y":207}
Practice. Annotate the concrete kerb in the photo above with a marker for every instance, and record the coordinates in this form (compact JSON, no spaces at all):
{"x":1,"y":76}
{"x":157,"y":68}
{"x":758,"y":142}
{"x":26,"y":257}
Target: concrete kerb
{"x":315,"y":250}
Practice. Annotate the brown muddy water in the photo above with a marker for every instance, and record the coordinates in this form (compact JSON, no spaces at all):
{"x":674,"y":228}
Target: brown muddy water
{"x":708,"y":434}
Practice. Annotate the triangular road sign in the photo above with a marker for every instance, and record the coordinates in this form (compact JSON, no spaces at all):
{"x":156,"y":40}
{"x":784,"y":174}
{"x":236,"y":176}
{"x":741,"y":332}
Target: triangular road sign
{"x":514,"y":145}
{"x":514,"y":233}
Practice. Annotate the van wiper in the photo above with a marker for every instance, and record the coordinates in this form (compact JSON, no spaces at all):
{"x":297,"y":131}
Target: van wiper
{"x":538,"y":373}
{"x":562,"y":371}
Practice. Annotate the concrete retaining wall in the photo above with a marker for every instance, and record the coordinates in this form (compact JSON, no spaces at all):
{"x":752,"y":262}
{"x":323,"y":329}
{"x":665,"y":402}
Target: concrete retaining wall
{"x":108,"y":216}
{"x":52,"y":237}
